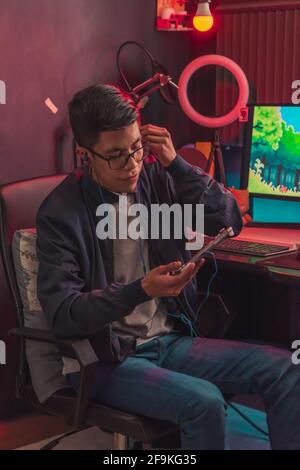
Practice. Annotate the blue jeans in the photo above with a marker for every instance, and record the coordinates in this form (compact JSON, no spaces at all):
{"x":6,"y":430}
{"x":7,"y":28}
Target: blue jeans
{"x":182,"y":380}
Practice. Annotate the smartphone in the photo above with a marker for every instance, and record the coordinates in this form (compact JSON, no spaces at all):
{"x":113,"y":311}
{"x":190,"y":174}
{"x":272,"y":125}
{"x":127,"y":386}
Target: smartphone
{"x":224,"y":233}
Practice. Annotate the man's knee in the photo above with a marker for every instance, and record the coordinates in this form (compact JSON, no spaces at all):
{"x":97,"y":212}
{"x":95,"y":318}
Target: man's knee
{"x":272,"y":358}
{"x":207,"y":404}
{"x":272,"y":367}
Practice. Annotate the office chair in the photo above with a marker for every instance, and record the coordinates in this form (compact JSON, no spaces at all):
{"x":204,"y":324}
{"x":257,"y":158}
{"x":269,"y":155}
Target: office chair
{"x":19,"y":203}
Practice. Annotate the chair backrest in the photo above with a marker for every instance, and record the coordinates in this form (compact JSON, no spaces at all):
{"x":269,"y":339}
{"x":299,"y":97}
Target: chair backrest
{"x":19,"y":203}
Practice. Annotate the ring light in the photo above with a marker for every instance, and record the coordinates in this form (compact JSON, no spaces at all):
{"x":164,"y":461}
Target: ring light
{"x":237,"y":72}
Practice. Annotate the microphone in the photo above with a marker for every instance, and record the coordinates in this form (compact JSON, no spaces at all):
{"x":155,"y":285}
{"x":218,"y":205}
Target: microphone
{"x":141,"y":92}
{"x":160,"y":80}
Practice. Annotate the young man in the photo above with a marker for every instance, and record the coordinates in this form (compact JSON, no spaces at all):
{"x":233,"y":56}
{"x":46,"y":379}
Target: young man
{"x":120,"y":293}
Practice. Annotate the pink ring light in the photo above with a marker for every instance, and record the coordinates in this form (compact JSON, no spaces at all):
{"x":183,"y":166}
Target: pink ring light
{"x":235,"y":69}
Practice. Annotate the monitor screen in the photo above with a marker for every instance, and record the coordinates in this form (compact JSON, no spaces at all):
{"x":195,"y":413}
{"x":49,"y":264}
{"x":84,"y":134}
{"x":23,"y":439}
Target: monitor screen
{"x":273,"y":152}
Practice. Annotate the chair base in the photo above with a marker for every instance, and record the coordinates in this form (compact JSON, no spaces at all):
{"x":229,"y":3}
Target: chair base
{"x":121,"y":424}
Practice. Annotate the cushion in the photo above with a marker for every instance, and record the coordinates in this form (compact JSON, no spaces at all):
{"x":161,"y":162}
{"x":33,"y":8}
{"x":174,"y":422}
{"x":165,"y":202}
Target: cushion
{"x":44,"y":360}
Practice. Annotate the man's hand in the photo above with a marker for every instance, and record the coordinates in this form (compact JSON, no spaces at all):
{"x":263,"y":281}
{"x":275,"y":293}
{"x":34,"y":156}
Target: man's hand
{"x":160,"y":283}
{"x":160,"y":143}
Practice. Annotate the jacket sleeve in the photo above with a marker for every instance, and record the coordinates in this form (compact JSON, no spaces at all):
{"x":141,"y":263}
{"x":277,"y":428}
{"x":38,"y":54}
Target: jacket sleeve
{"x":193,"y":186}
{"x":70,"y":310}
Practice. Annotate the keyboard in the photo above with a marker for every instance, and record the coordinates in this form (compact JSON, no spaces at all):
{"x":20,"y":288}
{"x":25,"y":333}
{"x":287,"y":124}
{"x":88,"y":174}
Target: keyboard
{"x":249,"y":248}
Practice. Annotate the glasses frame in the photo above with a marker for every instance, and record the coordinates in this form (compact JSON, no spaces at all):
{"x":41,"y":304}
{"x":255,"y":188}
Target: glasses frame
{"x":130,"y":155}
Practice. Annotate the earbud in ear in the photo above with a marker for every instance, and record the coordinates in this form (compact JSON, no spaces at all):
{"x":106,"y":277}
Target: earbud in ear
{"x":85,"y":158}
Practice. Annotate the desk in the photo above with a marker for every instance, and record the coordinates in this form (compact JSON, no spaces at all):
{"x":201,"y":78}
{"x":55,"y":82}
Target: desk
{"x":289,"y":237}
{"x":281,"y":236}
{"x":267,"y":297}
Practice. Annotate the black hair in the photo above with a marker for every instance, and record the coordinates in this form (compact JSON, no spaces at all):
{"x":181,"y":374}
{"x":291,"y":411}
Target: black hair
{"x":100,"y":108}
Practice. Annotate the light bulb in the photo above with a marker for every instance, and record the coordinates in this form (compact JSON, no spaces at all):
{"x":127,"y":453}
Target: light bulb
{"x":203,"y":20}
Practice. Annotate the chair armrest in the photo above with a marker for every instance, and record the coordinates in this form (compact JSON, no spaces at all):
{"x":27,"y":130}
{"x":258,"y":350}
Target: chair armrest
{"x":79,"y":349}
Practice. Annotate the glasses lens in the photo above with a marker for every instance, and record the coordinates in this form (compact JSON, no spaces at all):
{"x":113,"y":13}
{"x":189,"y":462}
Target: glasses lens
{"x":117,"y":163}
{"x":121,"y":162}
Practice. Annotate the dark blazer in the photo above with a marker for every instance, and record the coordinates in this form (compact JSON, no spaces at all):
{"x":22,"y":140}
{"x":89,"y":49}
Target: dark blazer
{"x":75,"y":280}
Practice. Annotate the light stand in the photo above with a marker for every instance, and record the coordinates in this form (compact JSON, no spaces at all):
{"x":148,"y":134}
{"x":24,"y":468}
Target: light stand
{"x":217,"y":157}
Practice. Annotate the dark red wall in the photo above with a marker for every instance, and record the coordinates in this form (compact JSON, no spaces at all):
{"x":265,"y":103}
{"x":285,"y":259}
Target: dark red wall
{"x":53,"y":48}
{"x":264,"y":41}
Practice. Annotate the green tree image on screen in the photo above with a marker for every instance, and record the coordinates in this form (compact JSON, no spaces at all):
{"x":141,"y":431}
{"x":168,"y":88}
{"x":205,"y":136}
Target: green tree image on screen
{"x":275,"y":151}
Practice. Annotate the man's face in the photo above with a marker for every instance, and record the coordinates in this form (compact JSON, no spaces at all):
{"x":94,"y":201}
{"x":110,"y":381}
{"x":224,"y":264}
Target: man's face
{"x":117,"y":144}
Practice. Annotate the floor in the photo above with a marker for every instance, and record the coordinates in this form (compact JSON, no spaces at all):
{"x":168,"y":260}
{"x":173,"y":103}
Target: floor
{"x":28,"y":428}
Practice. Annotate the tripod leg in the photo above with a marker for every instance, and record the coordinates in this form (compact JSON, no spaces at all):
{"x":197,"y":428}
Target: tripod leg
{"x":210,"y":160}
{"x":219,"y":159}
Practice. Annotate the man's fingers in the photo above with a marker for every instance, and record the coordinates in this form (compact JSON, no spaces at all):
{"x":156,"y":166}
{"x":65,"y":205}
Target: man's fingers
{"x":179,"y":281}
{"x":155,"y":140}
{"x":188,"y":272}
{"x":155,"y":130}
{"x":183,"y":277}
{"x":167,"y":268}
{"x":155,"y":135}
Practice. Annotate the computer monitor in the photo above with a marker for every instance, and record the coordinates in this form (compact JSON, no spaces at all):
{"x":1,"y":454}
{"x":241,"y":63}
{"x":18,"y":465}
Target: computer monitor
{"x":271,"y":163}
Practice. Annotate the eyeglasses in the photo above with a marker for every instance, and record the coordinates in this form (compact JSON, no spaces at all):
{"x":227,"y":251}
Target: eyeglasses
{"x":117,"y":163}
